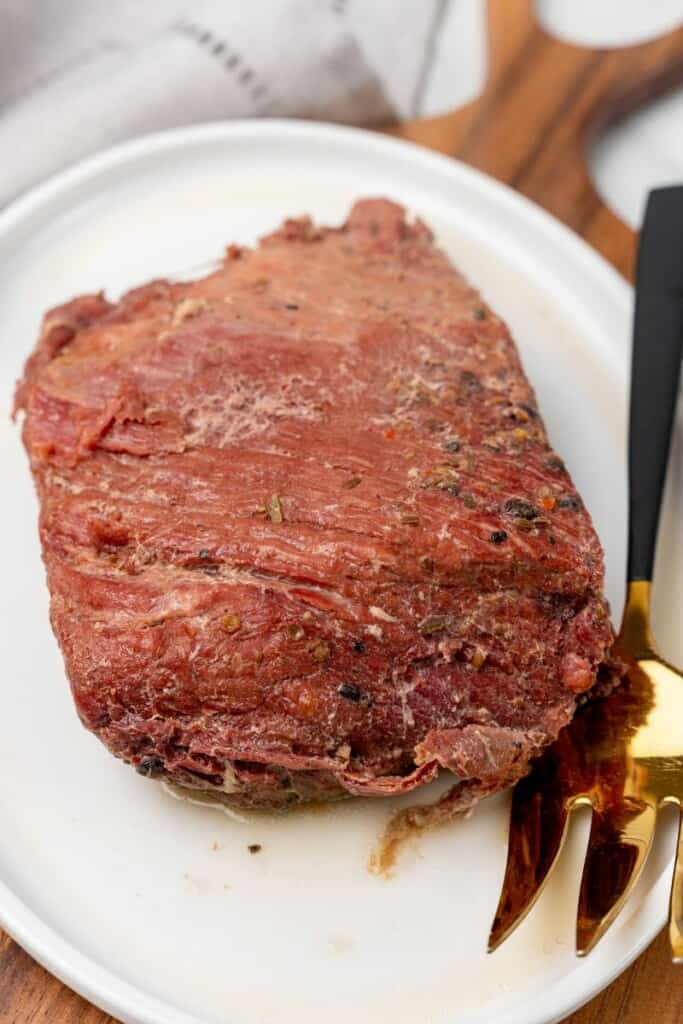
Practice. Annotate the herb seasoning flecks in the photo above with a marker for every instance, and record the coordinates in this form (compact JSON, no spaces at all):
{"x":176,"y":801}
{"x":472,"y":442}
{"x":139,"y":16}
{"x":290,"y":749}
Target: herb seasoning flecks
{"x":569,"y":502}
{"x":518,"y":508}
{"x":319,"y":650}
{"x":349,"y":691}
{"x":275,"y":509}
{"x":149,"y":766}
{"x":432,"y":624}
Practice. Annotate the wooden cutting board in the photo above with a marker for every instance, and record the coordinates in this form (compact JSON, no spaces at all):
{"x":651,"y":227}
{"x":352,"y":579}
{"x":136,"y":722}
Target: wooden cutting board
{"x":542,"y":103}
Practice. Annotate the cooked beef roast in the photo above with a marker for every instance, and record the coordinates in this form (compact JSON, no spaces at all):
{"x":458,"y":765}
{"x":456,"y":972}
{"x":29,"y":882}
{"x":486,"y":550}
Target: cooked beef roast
{"x":304,"y":532}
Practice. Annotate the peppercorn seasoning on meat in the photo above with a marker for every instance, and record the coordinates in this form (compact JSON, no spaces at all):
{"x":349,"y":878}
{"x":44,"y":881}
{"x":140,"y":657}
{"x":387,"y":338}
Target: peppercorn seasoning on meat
{"x":304,"y":533}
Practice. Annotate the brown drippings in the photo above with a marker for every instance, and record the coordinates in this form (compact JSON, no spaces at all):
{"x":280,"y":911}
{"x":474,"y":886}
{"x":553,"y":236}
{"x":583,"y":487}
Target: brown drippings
{"x":402,"y":826}
{"x":412,"y":822}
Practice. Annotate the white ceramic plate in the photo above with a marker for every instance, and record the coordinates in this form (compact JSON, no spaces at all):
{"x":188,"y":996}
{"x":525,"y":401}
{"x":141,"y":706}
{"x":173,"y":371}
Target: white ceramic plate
{"x":155,"y":909}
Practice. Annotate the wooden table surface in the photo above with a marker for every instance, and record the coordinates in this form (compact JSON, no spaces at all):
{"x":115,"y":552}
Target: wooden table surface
{"x":528,"y":128}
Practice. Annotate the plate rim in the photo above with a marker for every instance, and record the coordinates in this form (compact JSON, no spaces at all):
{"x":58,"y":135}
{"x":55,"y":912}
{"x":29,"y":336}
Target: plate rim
{"x":84,"y":974}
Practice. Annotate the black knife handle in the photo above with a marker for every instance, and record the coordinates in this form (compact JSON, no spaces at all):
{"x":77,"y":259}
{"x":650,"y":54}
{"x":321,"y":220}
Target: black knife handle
{"x":655,"y":370}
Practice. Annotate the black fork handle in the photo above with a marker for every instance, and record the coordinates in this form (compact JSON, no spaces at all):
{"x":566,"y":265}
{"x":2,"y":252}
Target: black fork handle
{"x":655,"y":370}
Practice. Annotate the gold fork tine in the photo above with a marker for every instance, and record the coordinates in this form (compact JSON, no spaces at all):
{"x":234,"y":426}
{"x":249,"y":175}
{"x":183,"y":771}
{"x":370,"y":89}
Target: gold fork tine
{"x":538,"y":828}
{"x":618,"y":845}
{"x":676,"y":904}
{"x":559,"y":781}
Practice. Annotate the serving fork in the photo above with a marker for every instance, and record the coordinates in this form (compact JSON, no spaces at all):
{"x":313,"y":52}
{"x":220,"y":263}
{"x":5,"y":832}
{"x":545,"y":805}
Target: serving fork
{"x":622,"y":755}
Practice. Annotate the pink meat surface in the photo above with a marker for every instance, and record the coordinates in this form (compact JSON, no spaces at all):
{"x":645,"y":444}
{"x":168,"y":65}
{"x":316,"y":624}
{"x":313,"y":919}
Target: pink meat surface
{"x":304,"y":532}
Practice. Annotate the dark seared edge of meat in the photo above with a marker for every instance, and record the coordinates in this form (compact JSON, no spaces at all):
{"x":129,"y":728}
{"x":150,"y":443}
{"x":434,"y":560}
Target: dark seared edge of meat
{"x":304,"y":532}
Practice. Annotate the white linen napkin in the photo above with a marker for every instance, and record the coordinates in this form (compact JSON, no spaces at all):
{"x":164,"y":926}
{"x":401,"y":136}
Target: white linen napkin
{"x":78,"y":75}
